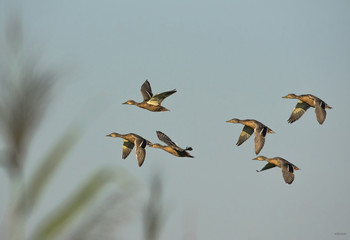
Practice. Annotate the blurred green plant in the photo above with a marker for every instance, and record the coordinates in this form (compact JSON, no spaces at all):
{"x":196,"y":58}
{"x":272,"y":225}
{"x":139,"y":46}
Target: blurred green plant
{"x":25,"y":91}
{"x":153,"y":214}
{"x":62,"y":217}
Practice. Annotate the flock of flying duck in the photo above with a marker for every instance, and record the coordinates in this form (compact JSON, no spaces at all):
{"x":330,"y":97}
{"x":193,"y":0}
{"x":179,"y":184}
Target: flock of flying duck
{"x":153,"y":103}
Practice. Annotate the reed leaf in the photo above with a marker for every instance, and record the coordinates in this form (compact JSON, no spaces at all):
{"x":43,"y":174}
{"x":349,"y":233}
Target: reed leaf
{"x":60,"y":219}
{"x":42,"y":175}
{"x":153,"y":213}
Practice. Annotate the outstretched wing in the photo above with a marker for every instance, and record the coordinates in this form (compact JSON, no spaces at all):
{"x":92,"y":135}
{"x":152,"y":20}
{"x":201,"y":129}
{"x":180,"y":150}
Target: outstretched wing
{"x":164,"y":138}
{"x":146,"y":91}
{"x":245,"y":134}
{"x":158,"y":98}
{"x":320,"y":110}
{"x":298,"y":111}
{"x":267,"y":166}
{"x":259,"y":138}
{"x":127,"y":148}
{"x":140,"y":145}
{"x":287,"y":172}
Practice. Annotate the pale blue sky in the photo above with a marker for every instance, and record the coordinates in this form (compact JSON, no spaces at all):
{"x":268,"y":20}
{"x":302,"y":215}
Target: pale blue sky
{"x":226,"y":59}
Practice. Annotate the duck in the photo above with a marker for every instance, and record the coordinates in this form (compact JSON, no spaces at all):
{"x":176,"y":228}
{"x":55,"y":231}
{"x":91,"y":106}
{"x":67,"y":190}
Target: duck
{"x":171,"y":147}
{"x":286,"y":167}
{"x":151,"y":102}
{"x":252,"y":126}
{"x":306,"y":101}
{"x":131,"y":140}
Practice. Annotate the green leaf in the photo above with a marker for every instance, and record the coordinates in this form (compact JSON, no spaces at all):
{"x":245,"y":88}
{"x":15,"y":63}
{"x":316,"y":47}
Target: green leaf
{"x":58,"y":220}
{"x":49,"y":165}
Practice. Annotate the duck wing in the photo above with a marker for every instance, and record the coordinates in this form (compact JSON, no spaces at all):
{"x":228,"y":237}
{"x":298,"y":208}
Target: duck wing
{"x":164,"y":138}
{"x":140,"y":145}
{"x":245,"y":134}
{"x":267,"y":166}
{"x":287,"y":172}
{"x":298,"y":111}
{"x":146,"y":91}
{"x":259,"y":138}
{"x":127,"y":148}
{"x":320,"y":110}
{"x":158,"y":98}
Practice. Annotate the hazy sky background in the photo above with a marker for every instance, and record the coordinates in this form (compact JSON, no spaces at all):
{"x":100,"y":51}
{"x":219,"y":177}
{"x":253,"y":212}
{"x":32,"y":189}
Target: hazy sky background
{"x":226,"y":59}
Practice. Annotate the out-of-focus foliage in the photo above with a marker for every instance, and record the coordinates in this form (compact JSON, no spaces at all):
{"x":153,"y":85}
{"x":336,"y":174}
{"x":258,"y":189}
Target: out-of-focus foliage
{"x":57,"y":221}
{"x":25,"y":91}
{"x":107,"y":220}
{"x":153,"y":215}
{"x":49,"y":165}
{"x":97,"y":208}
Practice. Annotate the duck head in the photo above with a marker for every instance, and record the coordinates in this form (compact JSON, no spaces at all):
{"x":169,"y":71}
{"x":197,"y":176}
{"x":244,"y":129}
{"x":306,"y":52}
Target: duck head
{"x":233,"y":120}
{"x":130,"y":102}
{"x":260,"y":158}
{"x":290,"y":95}
{"x":113,"y":134}
{"x":155,"y":145}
